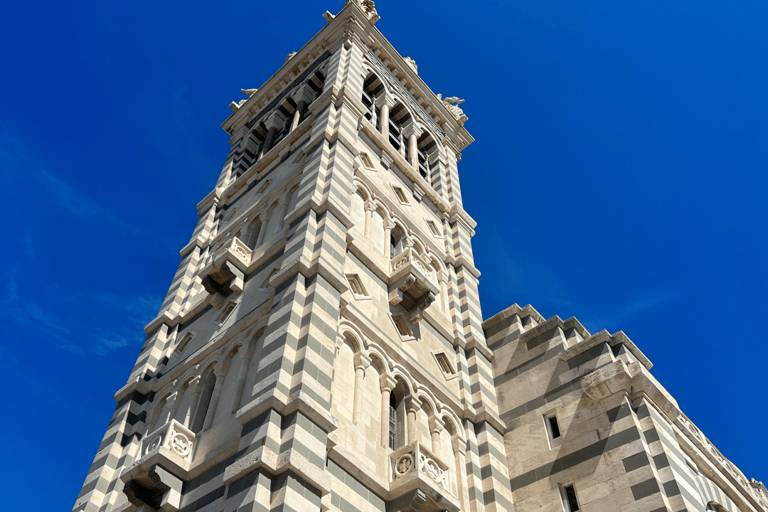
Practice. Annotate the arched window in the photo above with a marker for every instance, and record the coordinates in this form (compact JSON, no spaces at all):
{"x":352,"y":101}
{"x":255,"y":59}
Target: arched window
{"x":398,"y":119}
{"x":396,"y":242}
{"x":427,"y":150}
{"x":397,"y":415}
{"x":372,"y":89}
{"x":209,"y":379}
{"x":250,"y":148}
{"x":252,"y":234}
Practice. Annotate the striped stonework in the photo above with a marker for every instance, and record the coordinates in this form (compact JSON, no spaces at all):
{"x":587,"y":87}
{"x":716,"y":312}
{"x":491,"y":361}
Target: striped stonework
{"x":322,"y":346}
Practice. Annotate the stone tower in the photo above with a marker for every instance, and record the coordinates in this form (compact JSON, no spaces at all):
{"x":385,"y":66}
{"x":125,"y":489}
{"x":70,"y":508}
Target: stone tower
{"x":322,"y":348}
{"x":321,"y":345}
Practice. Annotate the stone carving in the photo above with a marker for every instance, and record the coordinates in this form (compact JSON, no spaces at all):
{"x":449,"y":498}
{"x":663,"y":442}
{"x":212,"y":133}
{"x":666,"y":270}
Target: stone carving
{"x":415,"y":458}
{"x":369,"y":7}
{"x":180,"y":444}
{"x":172,"y":436}
{"x":429,"y":467}
{"x":289,"y":57}
{"x":404,"y":465}
{"x":452,"y":104}
{"x":412,"y":257}
{"x":241,"y":250}
{"x":412,"y":64}
{"x":704,"y":444}
{"x":248,"y":92}
{"x":760,"y":491}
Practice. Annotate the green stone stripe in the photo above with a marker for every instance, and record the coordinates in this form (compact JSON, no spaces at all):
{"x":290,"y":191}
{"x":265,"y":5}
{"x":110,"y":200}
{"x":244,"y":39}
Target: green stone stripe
{"x":570,"y":460}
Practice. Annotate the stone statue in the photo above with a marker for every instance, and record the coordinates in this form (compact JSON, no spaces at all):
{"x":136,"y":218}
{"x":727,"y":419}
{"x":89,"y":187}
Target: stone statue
{"x":412,"y":64}
{"x":236,"y":106}
{"x":452,"y":104}
{"x":370,"y":7}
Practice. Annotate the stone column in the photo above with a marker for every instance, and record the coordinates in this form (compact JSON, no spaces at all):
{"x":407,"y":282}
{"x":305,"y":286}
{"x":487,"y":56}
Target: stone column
{"x":195,"y":384}
{"x":219,"y":372}
{"x":173,"y":405}
{"x":459,"y":453}
{"x":387,"y":235}
{"x":156,"y":415}
{"x":362,"y":363}
{"x":387,"y":385}
{"x":384,"y":103}
{"x":384,"y":120}
{"x":412,"y":406}
{"x":435,"y":427}
{"x":368,"y":214}
{"x":247,"y":349}
{"x":413,"y":133}
{"x":262,"y":233}
{"x":274,"y":123}
{"x":280,"y":212}
{"x":302,"y":97}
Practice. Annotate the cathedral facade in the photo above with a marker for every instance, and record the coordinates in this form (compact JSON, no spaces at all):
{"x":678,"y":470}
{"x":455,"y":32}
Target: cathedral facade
{"x":322,"y":346}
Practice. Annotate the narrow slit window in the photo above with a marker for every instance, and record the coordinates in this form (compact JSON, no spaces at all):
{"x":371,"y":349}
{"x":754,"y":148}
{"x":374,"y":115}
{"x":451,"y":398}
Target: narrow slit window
{"x":356,"y":286}
{"x":264,"y":187}
{"x":554,"y":427}
{"x":444,"y":363}
{"x":571,"y":503}
{"x":433,"y":228}
{"x":228,"y":309}
{"x":392,"y":422}
{"x":184,"y":342}
{"x":366,"y":160}
{"x":402,"y":326}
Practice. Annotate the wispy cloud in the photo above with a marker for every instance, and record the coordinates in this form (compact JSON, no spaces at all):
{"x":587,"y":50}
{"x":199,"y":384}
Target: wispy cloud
{"x":19,"y":163}
{"x":614,"y":319}
{"x":533,"y":279}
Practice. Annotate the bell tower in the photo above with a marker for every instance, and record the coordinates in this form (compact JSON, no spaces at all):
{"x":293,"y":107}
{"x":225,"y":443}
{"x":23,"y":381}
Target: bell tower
{"x":321,"y":345}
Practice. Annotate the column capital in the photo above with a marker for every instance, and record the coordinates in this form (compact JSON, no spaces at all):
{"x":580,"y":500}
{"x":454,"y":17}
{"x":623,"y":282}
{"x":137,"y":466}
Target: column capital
{"x":459,"y":445}
{"x":436,"y":425}
{"x":275,"y":120}
{"x":194,"y":383}
{"x":412,"y":129}
{"x":304,"y":93}
{"x":387,"y":383}
{"x":362,"y":361}
{"x":412,"y":404}
{"x":385,"y":99}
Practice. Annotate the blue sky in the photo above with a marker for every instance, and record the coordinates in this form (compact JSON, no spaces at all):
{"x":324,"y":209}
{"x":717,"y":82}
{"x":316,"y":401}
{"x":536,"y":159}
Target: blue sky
{"x":618,"y":176}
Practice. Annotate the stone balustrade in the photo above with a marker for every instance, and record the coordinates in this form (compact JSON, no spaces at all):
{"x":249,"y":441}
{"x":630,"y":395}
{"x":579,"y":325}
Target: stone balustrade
{"x":410,"y":258}
{"x":172,"y":438}
{"x":412,"y":283}
{"x":415,"y":458}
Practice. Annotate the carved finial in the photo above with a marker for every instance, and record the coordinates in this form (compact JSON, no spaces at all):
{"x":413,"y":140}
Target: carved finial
{"x":290,"y":56}
{"x":412,"y":64}
{"x":369,"y":7}
{"x":452,"y":104}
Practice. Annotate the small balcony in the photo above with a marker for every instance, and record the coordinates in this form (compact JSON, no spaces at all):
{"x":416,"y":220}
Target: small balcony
{"x":173,"y":440}
{"x":418,"y":475}
{"x":157,"y":477}
{"x":412,"y":284}
{"x":224,"y":274}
